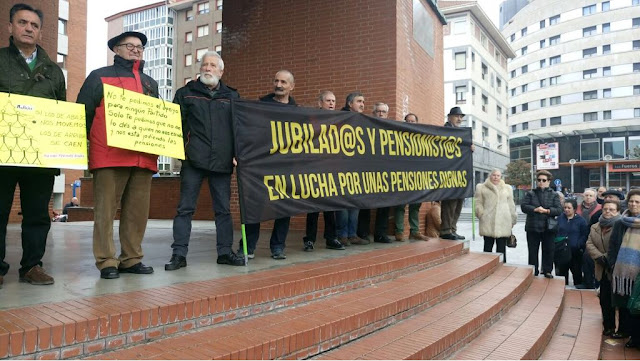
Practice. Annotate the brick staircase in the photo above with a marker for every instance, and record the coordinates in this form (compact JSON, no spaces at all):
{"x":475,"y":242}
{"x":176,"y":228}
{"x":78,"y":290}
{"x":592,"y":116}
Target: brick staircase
{"x":421,"y":300}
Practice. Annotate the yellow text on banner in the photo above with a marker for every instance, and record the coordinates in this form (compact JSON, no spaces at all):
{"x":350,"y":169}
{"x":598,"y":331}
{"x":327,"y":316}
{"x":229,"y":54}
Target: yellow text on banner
{"x":40,"y":132}
{"x":142,"y":123}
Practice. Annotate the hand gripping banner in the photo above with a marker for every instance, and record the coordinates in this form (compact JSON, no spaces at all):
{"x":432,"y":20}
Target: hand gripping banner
{"x":294,"y":160}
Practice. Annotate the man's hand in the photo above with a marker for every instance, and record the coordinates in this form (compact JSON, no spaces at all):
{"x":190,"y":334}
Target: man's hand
{"x":473,"y":148}
{"x":235,"y":162}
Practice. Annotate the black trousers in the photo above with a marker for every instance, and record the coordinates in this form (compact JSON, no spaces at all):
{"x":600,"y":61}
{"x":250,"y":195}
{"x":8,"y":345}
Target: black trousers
{"x":608,"y":311}
{"x":278,"y":235}
{"x":36,"y":186}
{"x":312,"y":226}
{"x":575,"y":266}
{"x":501,"y":246}
{"x":364,"y":220}
{"x":589,"y":271}
{"x":534,"y":240}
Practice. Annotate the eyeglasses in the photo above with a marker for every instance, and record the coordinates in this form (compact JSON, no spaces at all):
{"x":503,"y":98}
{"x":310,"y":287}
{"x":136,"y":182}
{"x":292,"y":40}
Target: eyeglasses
{"x":131,"y":46}
{"x":542,"y":180}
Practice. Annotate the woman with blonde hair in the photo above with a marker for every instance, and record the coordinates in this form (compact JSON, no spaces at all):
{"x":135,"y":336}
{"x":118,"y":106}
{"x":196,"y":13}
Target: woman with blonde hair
{"x":493,"y":199}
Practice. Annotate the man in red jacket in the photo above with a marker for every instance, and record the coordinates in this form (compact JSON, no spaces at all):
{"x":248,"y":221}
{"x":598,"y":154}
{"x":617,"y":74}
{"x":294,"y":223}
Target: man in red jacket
{"x":119,"y":175}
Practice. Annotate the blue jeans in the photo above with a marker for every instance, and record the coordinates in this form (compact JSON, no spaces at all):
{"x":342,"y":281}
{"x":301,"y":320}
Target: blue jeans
{"x":220,"y":189}
{"x":278,"y":235}
{"x":347,"y":222}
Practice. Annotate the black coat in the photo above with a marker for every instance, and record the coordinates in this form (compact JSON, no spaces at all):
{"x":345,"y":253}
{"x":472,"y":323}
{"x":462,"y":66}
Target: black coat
{"x":206,"y":125}
{"x":537,"y":222}
{"x":269,"y":99}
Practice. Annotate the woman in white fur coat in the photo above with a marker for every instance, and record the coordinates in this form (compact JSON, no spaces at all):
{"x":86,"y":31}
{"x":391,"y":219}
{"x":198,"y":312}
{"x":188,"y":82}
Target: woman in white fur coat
{"x":496,"y":211}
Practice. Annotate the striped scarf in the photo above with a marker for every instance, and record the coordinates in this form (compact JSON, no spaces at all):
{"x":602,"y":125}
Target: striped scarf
{"x":627,"y":265}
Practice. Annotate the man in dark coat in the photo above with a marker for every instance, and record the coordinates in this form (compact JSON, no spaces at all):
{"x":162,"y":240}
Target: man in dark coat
{"x":25,"y":68}
{"x":208,"y":139}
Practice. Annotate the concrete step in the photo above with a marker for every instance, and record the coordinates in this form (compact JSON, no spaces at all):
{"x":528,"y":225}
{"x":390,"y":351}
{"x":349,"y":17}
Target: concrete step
{"x":306,"y":330}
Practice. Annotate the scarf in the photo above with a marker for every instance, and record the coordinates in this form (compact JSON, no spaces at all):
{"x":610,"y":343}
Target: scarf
{"x":627,"y":265}
{"x":604,"y":223}
{"x":587,"y":209}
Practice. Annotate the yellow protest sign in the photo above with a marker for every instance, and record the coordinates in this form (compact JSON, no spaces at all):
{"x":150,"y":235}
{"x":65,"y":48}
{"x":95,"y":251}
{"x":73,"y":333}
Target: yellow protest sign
{"x":142,"y":123}
{"x":40,"y":132}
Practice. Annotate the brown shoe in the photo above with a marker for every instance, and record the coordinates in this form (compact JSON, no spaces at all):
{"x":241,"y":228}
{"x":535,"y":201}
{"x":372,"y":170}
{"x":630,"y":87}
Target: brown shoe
{"x":37,"y":276}
{"x":345,"y":241}
{"x":418,"y":237}
{"x":358,"y":241}
{"x":399,"y":237}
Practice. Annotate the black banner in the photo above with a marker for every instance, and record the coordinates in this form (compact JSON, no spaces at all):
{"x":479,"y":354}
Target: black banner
{"x":294,"y":160}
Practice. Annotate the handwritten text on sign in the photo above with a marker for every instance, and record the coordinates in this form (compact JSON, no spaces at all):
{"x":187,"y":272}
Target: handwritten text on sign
{"x":40,"y":132}
{"x":142,"y":123}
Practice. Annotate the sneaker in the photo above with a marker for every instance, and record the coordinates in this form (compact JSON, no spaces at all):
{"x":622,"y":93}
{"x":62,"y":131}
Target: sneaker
{"x":358,"y":241}
{"x":308,"y":246}
{"x":418,"y":237}
{"x":278,"y":254}
{"x":345,"y":241}
{"x":382,"y":239}
{"x":334,"y":244}
{"x":399,"y":237}
{"x":231,"y":259}
{"x":37,"y":276}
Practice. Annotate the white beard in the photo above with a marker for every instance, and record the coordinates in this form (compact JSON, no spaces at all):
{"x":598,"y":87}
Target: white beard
{"x":209,"y":79}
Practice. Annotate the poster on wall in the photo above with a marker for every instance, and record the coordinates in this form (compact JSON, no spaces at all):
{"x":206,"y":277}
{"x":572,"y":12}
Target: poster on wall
{"x":547,"y":156}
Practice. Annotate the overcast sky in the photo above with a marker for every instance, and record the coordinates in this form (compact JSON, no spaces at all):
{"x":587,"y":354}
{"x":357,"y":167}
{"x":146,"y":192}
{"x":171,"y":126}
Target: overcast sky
{"x":98,"y":10}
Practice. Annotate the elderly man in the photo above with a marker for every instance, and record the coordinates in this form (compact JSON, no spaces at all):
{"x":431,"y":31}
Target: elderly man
{"x":380,"y":110}
{"x":119,"y":175}
{"x":204,"y":106}
{"x":283,"y":84}
{"x":414,"y":209}
{"x":27,"y":70}
{"x":327,"y":101}
{"x":451,"y":208}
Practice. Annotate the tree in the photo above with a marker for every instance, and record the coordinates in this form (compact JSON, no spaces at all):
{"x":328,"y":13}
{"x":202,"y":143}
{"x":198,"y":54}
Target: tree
{"x":518,"y":173}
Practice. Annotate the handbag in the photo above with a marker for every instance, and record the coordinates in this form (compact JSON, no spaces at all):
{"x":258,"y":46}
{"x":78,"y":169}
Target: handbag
{"x":552,"y":222}
{"x":512,"y":242}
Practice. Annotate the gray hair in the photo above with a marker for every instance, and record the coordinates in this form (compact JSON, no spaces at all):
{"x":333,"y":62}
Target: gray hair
{"x":590,"y":190}
{"x":215,"y":55}
{"x":495,"y":170}
{"x":379,"y":104}
{"x":323,"y":94}
{"x":350,"y":98}
{"x":288,"y":72}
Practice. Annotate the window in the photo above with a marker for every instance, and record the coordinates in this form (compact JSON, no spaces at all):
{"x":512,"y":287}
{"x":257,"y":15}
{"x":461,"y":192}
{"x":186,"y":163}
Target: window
{"x":606,"y":71}
{"x":634,"y":147}
{"x":636,"y":90}
{"x":189,"y":15}
{"x":606,"y":114}
{"x":218,"y":4}
{"x":554,"y":40}
{"x":543,"y":83}
{"x":543,"y":23}
{"x":459,"y":27}
{"x":588,"y":10}
{"x":554,"y":60}
{"x":543,"y":43}
{"x":636,"y":112}
{"x":513,"y":129}
{"x":606,"y":93}
{"x":523,"y":32}
{"x":461,"y":61}
{"x":483,"y":40}
{"x":485,"y":70}
{"x":606,"y":28}
{"x":524,"y":69}
{"x":587,"y":53}
{"x":554,"y":80}
{"x":513,"y":110}
{"x":473,"y":95}
{"x":554,"y":100}
{"x":62,"y":27}
{"x":524,"y":50}
{"x":485,"y":133}
{"x":513,"y":73}
{"x":525,"y":107}
{"x":485,"y":103}
{"x":635,"y":2}
{"x":499,"y":139}
{"x":203,"y":8}
{"x":513,"y":92}
{"x":605,"y":6}
{"x":203,"y":30}
{"x":219,"y":49}
{"x":461,"y":94}
{"x":555,"y":120}
{"x":543,"y":63}
{"x":200,"y":53}
{"x":636,"y":67}
{"x":590,"y":117}
{"x":498,"y":84}
{"x":525,"y":126}
{"x":188,"y":37}
{"x":473,"y":125}
{"x":593,"y":94}
{"x":588,"y":31}
{"x":62,"y":61}
{"x":188,"y":60}
{"x":636,"y":45}
{"x":589,"y":149}
{"x":524,"y":88}
{"x":219,"y":27}
{"x":615,"y":147}
{"x":499,"y":112}
{"x":543,"y":123}
{"x":635,"y":22}
{"x":513,"y":37}
{"x":588,"y":74}
{"x":606,"y":49}
{"x":554,"y":19}
{"x":543,"y":103}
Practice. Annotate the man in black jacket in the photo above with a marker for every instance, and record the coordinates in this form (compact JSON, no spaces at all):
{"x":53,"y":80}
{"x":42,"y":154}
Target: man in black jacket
{"x":26,"y":69}
{"x":208,"y":139}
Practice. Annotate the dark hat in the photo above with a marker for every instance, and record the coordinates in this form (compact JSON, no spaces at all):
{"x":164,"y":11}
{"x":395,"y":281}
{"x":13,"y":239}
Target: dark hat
{"x":614,"y":192}
{"x":456,"y":111}
{"x":116,"y":39}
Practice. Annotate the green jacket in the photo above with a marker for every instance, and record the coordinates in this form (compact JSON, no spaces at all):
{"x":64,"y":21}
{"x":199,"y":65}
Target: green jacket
{"x":45,"y":81}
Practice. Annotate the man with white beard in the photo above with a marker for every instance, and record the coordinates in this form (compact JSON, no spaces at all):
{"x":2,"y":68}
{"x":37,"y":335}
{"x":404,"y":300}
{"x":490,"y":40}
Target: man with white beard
{"x":209,"y":150}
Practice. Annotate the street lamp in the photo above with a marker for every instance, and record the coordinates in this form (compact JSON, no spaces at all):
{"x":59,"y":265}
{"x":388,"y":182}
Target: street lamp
{"x":533,"y":158}
{"x":607,"y":159}
{"x":572,"y":162}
